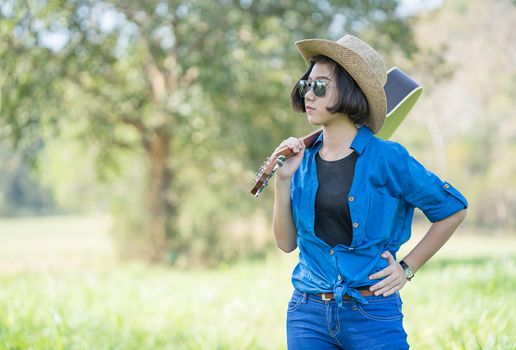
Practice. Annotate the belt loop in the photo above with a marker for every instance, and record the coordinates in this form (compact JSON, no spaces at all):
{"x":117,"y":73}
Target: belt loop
{"x":304,"y":297}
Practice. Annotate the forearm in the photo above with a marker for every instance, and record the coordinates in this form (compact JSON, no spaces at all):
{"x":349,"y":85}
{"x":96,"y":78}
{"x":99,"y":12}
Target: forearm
{"x":434,"y":239}
{"x":282,"y":222}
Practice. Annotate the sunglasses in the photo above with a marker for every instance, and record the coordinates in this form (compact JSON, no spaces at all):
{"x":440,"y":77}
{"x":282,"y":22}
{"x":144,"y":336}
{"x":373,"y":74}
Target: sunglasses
{"x":317,"y":86}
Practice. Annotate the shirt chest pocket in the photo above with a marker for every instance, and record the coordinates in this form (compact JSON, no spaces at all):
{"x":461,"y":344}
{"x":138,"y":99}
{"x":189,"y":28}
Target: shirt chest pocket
{"x":382,"y":214}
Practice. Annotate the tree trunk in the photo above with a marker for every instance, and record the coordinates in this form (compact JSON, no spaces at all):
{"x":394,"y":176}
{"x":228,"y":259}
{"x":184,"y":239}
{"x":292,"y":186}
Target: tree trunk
{"x":160,"y":211}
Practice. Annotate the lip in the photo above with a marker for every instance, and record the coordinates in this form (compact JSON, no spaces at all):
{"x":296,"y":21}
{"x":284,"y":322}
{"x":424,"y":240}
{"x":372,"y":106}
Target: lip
{"x":309,"y":108}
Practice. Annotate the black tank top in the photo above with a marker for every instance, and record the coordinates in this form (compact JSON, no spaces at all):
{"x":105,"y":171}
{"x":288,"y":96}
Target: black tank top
{"x":332,"y":217}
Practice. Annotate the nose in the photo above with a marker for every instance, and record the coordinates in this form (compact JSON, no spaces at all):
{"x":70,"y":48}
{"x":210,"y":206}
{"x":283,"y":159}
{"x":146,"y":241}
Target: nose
{"x":310,"y":95}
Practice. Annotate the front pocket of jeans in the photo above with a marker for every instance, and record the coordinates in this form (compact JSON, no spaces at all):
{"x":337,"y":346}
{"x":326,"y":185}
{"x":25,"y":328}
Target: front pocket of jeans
{"x":294,"y":302}
{"x":388,"y":309}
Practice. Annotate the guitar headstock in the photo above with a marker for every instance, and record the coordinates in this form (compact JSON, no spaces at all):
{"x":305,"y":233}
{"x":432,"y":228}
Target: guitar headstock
{"x":272,"y":163}
{"x":265,"y":173}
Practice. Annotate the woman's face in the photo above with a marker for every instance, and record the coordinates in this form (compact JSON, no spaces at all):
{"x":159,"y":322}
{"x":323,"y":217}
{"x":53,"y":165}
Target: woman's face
{"x":316,"y":106}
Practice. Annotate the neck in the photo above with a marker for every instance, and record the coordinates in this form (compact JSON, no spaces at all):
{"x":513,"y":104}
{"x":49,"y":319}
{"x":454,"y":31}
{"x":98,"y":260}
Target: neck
{"x":339,"y":136}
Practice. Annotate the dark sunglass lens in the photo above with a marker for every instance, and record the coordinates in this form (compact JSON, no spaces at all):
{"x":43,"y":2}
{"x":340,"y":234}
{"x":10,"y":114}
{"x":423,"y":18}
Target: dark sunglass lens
{"x":319,"y":88}
{"x":303,"y":87}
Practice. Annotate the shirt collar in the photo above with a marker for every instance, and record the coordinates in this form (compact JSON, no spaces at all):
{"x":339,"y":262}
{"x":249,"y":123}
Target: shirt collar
{"x":360,"y":141}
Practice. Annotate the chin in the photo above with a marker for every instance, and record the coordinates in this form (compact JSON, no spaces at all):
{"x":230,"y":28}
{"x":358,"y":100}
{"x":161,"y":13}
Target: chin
{"x":315,"y":120}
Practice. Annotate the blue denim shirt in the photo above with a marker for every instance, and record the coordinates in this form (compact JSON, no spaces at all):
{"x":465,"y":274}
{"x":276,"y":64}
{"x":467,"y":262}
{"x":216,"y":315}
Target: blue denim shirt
{"x":388,"y":184}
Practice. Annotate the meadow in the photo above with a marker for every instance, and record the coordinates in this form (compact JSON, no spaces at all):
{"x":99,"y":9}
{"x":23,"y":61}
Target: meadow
{"x":61,"y":287}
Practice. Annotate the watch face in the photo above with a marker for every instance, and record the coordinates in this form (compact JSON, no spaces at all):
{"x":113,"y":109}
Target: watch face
{"x":409,"y":273}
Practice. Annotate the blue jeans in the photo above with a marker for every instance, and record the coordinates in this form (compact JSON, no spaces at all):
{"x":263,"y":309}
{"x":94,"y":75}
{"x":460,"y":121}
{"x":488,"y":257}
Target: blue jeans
{"x":313,"y":323}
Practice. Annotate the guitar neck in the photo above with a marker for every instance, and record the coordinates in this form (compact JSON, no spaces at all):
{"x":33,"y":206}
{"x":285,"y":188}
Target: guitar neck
{"x":308,"y":140}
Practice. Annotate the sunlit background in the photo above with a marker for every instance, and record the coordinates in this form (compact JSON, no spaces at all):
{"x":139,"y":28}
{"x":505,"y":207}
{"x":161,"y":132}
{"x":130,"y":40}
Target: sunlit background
{"x":130,"y":134}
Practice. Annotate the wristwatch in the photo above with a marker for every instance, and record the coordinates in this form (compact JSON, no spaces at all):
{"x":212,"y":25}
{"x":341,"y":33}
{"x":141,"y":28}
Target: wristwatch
{"x":409,"y":273}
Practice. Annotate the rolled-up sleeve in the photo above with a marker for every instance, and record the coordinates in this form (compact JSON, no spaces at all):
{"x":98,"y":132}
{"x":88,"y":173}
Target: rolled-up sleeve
{"x":423,"y":189}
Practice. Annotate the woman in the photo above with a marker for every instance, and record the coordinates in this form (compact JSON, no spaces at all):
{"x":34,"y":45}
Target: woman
{"x":348,"y":201}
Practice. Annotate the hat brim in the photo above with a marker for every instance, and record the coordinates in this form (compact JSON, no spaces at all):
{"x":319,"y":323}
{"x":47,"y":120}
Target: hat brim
{"x":355,"y":65}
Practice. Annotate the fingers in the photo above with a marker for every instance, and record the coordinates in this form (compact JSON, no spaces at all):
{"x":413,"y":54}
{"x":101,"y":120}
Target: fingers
{"x":394,"y":281}
{"x":295,"y":144}
{"x":391,"y":291}
{"x":393,"y":264}
{"x":383,"y":283}
{"x":389,"y":285}
{"x":382,"y":273}
{"x":387,"y":255}
{"x":388,"y":288}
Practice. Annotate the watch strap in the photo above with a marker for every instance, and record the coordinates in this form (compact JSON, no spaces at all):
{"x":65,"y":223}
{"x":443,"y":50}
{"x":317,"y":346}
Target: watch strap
{"x":404,"y":265}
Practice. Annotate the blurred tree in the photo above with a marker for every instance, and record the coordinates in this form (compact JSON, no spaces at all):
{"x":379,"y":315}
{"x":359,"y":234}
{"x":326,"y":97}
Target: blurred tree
{"x":20,"y":192}
{"x":198,"y":89}
{"x":467,"y":67}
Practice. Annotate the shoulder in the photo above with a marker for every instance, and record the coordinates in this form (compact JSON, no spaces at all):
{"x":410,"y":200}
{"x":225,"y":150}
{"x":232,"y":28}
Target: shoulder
{"x":388,"y":150}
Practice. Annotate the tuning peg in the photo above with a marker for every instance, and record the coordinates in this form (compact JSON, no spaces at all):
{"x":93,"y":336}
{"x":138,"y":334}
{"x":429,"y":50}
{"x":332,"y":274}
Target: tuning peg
{"x":280,"y":160}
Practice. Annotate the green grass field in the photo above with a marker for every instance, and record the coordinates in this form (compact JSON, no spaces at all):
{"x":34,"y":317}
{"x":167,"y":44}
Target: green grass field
{"x":61,"y":288}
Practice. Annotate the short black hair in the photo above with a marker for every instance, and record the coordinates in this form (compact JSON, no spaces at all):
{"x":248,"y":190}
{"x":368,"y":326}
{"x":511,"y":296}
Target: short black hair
{"x":351,"y":100}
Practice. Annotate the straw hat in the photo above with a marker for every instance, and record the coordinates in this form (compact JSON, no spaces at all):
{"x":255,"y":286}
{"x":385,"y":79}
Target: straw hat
{"x":362,"y":62}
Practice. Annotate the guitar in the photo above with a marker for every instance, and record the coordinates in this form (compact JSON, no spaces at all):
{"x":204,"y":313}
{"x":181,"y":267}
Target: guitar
{"x":402,"y":93}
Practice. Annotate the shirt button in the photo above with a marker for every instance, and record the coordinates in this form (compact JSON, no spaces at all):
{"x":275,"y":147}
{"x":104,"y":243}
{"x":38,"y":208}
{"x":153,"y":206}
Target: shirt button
{"x":351,"y":198}
{"x":446,"y":185}
{"x":331,"y":252}
{"x":339,"y":277}
{"x":355,"y":224}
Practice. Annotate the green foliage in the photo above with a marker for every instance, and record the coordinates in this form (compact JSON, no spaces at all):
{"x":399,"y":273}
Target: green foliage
{"x":198,"y":88}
